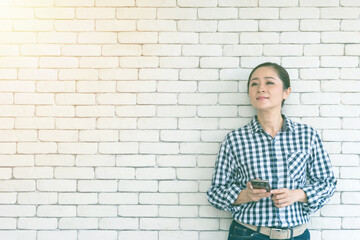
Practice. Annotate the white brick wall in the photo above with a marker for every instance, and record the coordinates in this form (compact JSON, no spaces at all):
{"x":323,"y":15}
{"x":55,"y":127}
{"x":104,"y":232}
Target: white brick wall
{"x":112,"y":111}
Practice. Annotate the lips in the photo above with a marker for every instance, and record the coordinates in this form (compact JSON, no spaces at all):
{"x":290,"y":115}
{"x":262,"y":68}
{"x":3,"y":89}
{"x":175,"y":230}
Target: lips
{"x":261,"y":98}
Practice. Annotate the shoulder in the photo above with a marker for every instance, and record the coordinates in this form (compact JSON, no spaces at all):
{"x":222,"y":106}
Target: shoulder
{"x":237,"y":134}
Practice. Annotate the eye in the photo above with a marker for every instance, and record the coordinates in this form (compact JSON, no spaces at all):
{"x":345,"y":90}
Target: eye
{"x":269,"y":83}
{"x":254,"y":84}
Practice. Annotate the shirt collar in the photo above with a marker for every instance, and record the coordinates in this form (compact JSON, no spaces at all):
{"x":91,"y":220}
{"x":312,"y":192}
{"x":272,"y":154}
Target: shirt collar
{"x":288,"y":125}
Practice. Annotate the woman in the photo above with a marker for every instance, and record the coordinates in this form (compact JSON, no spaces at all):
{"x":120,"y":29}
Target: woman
{"x":289,"y":155}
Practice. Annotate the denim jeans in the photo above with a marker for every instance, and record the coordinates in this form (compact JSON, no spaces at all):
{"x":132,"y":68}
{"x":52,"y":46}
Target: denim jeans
{"x":239,"y":232}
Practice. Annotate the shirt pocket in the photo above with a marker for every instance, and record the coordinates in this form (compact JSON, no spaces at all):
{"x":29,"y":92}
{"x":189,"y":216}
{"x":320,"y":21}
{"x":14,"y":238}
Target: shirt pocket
{"x":296,"y":162}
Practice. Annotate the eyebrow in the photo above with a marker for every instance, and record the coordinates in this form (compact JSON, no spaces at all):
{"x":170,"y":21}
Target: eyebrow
{"x":265,"y":78}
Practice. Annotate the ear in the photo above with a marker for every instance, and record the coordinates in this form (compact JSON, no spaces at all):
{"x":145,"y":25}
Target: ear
{"x":286,"y":93}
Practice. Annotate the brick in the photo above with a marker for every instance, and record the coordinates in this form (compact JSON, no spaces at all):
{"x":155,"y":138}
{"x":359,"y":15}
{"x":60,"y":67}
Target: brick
{"x":19,"y":234}
{"x":96,"y":211}
{"x":350,"y":198}
{"x":283,"y":50}
{"x":34,"y":98}
{"x":156,"y":98}
{"x":74,"y":25}
{"x":7,"y":123}
{"x":350,"y":25}
{"x":219,"y":38}
{"x":134,"y":111}
{"x":342,"y":13}
{"x":6,"y":173}
{"x":176,"y":13}
{"x":300,"y":37}
{"x":234,"y":98}
{"x":322,"y":3}
{"x":37,"y":223}
{"x":57,"y":235}
{"x":115,"y":3}
{"x":178,"y":211}
{"x":33,"y":25}
{"x":118,"y":74}
{"x":118,"y":198}
{"x":176,"y":161}
{"x":323,"y":123}
{"x":56,"y":185}
{"x":37,"y":74}
{"x":138,"y":186}
{"x":138,"y":211}
{"x":136,"y":13}
{"x":78,"y":223}
{"x":350,"y":172}
{"x":161,"y":50}
{"x":8,"y":198}
{"x":99,"y":62}
{"x":17,"y":211}
{"x":138,"y":37}
{"x":139,"y":62}
{"x":320,"y":98}
{"x":75,"y":99}
{"x":58,"y":111}
{"x":111,"y":235}
{"x":202,"y":50}
{"x":74,"y":3}
{"x":136,"y":161}
{"x":17,"y":185}
{"x":208,"y":211}
{"x":97,"y":186}
{"x":213,"y":136}
{"x":324,"y":49}
{"x":159,"y":223}
{"x":179,"y":62}
{"x":137,"y":135}
{"x":6,"y":25}
{"x":177,"y":37}
{"x":78,"y":74}
{"x":279,"y":25}
{"x":56,"y":211}
{"x":305,"y":86}
{"x":15,"y":160}
{"x":78,"y":198}
{"x":58,"y":62}
{"x":325,"y":223}
{"x":236,"y":74}
{"x":303,"y":111}
{"x":299,"y":13}
{"x":33,"y":3}
{"x":199,"y":148}
{"x":72,"y":123}
{"x":219,"y":62}
{"x":217,"y":111}
{"x":115,"y":25}
{"x":95,"y":111}
{"x":350,"y":98}
{"x":57,"y":37}
{"x":95,"y":13}
{"x":199,"y":74}
{"x":156,"y":25}
{"x":200,"y":3}
{"x":8,"y":74}
{"x":138,"y":86}
{"x":18,"y":62}
{"x":16,"y":111}
{"x":31,"y":148}
{"x":178,"y":186}
{"x":178,"y":86}
{"x":8,"y":223}
{"x":116,"y":123}
{"x":217,"y":13}
{"x":16,"y":13}
{"x":341,"y":61}
{"x":118,"y":148}
{"x":94,"y":160}
{"x":73,"y":173}
{"x":341,"y":135}
{"x":159,"y":148}
{"x":198,"y":123}
{"x":9,"y":50}
{"x":33,"y":173}
{"x":118,"y":50}
{"x":199,"y":224}
{"x":197,"y":25}
{"x":7,"y":98}
{"x":77,"y":148}
{"x":193,"y":198}
{"x":97,"y":37}
{"x":338,"y":86}
{"x":350,"y":147}
{"x":319,"y":25}
{"x":55,"y":13}
{"x":340,"y":37}
{"x":211,"y":87}
{"x":114,"y":173}
{"x":118,"y":223}
{"x":258,"y":13}
{"x":237,"y":25}
{"x":81,"y":50}
{"x":281,"y":3}
{"x":150,"y":235}
{"x":259,"y":37}
{"x":176,"y":111}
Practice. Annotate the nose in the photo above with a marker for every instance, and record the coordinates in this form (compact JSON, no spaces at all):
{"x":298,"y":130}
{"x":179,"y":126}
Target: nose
{"x":261,"y":88}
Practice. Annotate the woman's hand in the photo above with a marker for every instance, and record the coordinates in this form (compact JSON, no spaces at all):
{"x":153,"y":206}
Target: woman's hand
{"x":284,"y":197}
{"x":251,"y":195}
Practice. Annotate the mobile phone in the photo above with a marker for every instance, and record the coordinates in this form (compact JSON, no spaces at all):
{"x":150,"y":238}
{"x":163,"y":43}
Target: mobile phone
{"x":260,"y":184}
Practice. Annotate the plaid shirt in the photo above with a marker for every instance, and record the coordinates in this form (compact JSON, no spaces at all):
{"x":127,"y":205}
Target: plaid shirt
{"x":295,"y":159}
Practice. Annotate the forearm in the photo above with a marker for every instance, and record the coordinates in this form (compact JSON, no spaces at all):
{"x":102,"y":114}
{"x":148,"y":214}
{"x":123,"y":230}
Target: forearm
{"x":300,"y":195}
{"x":242,"y":198}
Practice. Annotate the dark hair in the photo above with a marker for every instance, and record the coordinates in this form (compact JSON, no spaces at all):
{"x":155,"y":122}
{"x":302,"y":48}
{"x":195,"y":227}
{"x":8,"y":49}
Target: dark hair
{"x":281,"y":72}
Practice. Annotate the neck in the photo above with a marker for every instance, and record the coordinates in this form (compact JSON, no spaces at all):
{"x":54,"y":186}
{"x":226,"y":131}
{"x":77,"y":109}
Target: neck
{"x":271,"y":122}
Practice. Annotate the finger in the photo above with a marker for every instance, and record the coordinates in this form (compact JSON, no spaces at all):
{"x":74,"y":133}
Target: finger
{"x":278,"y":191}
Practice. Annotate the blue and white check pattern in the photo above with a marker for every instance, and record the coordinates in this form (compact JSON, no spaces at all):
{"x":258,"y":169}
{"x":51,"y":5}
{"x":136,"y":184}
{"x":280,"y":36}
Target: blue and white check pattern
{"x":294,"y":159}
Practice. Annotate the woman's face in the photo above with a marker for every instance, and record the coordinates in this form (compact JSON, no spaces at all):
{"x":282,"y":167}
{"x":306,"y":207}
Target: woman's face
{"x":266,"y":89}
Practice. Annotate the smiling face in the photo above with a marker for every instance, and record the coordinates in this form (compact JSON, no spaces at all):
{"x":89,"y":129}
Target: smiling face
{"x":266,"y":90}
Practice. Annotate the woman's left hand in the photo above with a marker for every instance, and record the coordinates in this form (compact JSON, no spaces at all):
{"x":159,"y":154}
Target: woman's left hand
{"x":284,"y":197}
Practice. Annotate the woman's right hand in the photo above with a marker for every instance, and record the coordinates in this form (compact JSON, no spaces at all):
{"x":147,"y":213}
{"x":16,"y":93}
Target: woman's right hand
{"x":251,"y":195}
